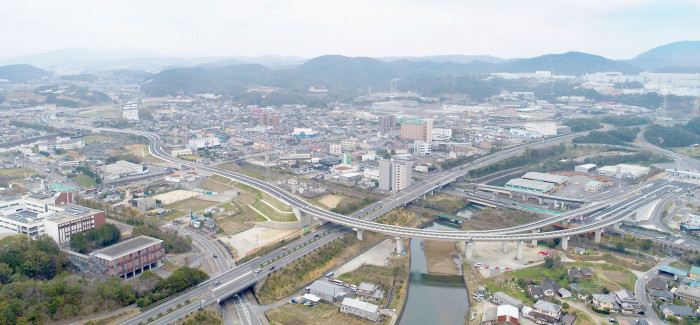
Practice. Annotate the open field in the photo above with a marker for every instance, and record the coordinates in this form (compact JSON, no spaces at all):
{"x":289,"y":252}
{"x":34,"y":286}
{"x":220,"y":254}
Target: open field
{"x":688,"y":151}
{"x":213,"y":185}
{"x":329,"y":201}
{"x":184,"y":207}
{"x":85,"y":180}
{"x":15,"y":175}
{"x":257,"y":205}
{"x":141,"y":151}
{"x":325,"y":314}
{"x":250,"y":240}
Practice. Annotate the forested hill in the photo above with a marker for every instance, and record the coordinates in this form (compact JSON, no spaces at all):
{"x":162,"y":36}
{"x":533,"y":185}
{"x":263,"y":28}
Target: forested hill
{"x":357,"y":74}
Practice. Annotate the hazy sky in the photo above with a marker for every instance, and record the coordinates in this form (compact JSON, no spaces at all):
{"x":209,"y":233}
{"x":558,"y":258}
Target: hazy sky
{"x":617,"y":29}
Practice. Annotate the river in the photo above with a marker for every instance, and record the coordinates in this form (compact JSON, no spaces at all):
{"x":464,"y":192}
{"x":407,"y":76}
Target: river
{"x":433,"y":299}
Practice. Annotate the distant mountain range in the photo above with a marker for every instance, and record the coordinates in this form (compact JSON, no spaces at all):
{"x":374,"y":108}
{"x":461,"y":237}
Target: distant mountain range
{"x":335,"y":72}
{"x":360,"y":73}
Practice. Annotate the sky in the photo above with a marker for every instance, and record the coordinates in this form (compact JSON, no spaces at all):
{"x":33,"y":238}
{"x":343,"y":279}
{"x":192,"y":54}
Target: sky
{"x":617,"y":29}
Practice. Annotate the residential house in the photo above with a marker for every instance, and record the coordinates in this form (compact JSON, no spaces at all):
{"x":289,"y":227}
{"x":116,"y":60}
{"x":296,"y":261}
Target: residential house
{"x":658,"y":284}
{"x":550,"y":287}
{"x":628,"y":303}
{"x":536,"y":292}
{"x":546,"y":311}
{"x":575,"y":274}
{"x":688,"y":294}
{"x":664,"y":295}
{"x":677,"y":311}
{"x":368,"y":291}
{"x":587,"y":273}
{"x":605,"y":302}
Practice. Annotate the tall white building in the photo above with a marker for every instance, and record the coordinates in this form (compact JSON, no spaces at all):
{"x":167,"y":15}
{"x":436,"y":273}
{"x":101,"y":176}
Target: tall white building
{"x":385,"y":175}
{"x":335,"y":149}
{"x":421,"y":148}
{"x":401,"y":175}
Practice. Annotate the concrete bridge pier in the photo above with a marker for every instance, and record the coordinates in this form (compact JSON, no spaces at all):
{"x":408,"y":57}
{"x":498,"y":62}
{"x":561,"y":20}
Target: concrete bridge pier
{"x":504,"y":247}
{"x":468,"y":250}
{"x":598,"y":233}
{"x":565,"y":243}
{"x":399,"y":245}
{"x":519,"y":251}
{"x":617,"y":225}
{"x":360,"y":232}
{"x":534,"y":241}
{"x":304,"y":218}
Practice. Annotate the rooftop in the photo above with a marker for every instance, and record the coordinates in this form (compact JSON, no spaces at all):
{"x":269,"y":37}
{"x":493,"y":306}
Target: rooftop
{"x":544,"y":177}
{"x":673,"y":270}
{"x":126,"y":247}
{"x":526,"y":183}
{"x":362,"y":305}
{"x":547,"y":306}
{"x":61,"y":187}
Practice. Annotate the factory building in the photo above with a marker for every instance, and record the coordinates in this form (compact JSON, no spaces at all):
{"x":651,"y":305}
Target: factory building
{"x":556,"y":180}
{"x":530,"y":186}
{"x":586,"y":168}
{"x":624,"y":171}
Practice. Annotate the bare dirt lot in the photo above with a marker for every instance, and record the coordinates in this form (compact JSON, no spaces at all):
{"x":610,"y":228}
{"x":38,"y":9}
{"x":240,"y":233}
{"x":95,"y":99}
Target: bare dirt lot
{"x":330,"y":201}
{"x":490,"y":255}
{"x":440,"y":257}
{"x":376,"y":255}
{"x":248,"y":241}
{"x":175,"y":196}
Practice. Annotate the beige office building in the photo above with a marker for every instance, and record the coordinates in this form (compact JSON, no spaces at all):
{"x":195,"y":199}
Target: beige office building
{"x":417,"y":130}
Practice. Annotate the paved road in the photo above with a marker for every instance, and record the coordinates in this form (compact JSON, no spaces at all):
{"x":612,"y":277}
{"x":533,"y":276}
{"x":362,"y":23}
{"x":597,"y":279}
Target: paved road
{"x":640,"y":291}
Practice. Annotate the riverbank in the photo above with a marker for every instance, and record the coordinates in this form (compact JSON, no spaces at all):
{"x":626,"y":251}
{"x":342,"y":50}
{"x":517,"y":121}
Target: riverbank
{"x":440,"y":257}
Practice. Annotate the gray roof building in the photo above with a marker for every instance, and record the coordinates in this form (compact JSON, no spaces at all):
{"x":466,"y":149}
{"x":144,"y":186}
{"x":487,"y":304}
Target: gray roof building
{"x":500,"y":298}
{"x":676,"y":310}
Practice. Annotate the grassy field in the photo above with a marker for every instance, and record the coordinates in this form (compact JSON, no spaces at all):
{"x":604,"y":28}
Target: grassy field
{"x":253,"y":197}
{"x":231,"y":223}
{"x":184,"y":207}
{"x":688,"y":151}
{"x":273,"y":214}
{"x":215,"y":186}
{"x":16,"y":175}
{"x":325,"y":314}
{"x":85,"y":180}
{"x":299,"y":273}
